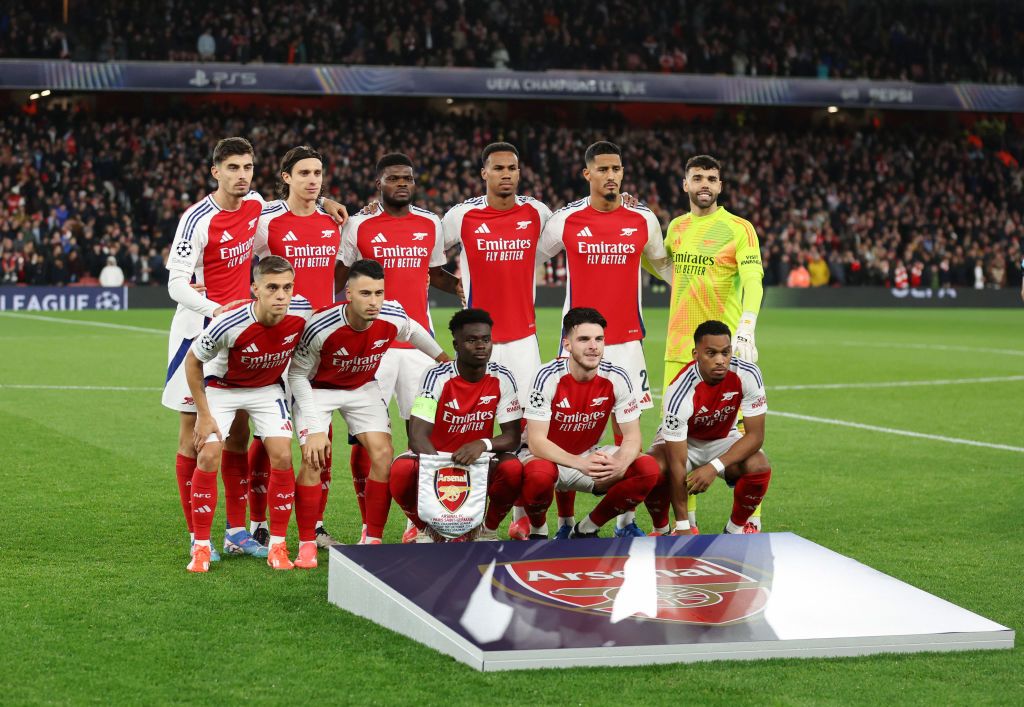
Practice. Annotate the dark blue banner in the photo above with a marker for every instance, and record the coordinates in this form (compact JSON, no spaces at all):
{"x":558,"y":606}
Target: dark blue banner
{"x":59,"y":299}
{"x":181,"y":77}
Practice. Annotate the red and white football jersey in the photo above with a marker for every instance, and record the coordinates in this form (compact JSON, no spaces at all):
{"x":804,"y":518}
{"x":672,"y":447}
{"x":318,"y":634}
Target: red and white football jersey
{"x":463,"y":411}
{"x":602,"y":253}
{"x":239,"y":352}
{"x":406,"y":247}
{"x":309,"y":243}
{"x":578,"y":412}
{"x":699,"y":410}
{"x":334,"y":355}
{"x":498,"y":263}
{"x":216,"y":246}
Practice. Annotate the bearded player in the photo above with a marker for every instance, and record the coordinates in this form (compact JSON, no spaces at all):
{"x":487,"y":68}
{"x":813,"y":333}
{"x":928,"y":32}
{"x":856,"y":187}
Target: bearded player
{"x":606,"y":241}
{"x":456,"y":410}
{"x":568,"y":407}
{"x":717,"y":275}
{"x":698,"y":440}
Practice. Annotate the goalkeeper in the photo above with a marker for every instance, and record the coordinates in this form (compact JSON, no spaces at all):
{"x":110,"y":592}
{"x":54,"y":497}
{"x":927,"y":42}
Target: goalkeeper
{"x":717,"y":274}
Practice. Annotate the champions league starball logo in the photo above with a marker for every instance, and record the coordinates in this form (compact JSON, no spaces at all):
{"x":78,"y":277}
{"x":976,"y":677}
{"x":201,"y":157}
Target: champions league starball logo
{"x":207,"y":344}
{"x":690,"y":590}
{"x":183,"y":249}
{"x":536,"y":399}
{"x":108,"y":300}
{"x":672,"y":423}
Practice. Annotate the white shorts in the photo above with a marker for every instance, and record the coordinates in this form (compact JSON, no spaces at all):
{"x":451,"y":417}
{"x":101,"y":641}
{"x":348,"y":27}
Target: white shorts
{"x":185,"y":327}
{"x":570,"y":479}
{"x":522,"y":357}
{"x":701,"y":451}
{"x":630,"y":356}
{"x":400,"y":375}
{"x":267,"y":408}
{"x":363,"y":410}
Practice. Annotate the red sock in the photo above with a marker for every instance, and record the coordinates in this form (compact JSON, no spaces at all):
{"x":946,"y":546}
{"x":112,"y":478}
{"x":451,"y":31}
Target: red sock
{"x":404,"y":485}
{"x":360,"y":465}
{"x":378,"y":503}
{"x":659,"y":501}
{"x":282,"y":497}
{"x":259,"y":479}
{"x":748,"y":493}
{"x":307,"y":510}
{"x":204,"y":502}
{"x":325,"y":476}
{"x":628,"y":492}
{"x":184,"y":467}
{"x":539,"y":476}
{"x":566,"y":502}
{"x":504,"y":486}
{"x":234,"y":474}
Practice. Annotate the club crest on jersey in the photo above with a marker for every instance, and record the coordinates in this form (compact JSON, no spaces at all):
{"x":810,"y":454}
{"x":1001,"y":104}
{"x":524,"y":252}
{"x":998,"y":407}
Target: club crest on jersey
{"x":628,"y":232}
{"x":729,"y":396}
{"x":378,"y":343}
{"x":452,"y":485}
{"x":289,"y":339}
{"x":327,"y":233}
{"x":485,"y":399}
{"x":523,"y":225}
{"x":225,"y":237}
{"x":690,"y":590}
{"x":598,"y":401}
{"x":252,"y":223}
{"x":419,"y":236}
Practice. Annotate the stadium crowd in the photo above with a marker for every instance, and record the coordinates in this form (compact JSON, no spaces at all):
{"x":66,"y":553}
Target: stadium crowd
{"x":915,"y":40}
{"x":832,"y":207}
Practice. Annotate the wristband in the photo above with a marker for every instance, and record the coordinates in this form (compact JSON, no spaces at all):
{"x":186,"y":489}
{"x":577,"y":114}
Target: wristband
{"x":717,"y":465}
{"x":487,"y":444}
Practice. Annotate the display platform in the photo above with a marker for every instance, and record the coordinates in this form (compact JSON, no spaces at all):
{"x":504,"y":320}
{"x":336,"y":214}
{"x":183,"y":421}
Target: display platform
{"x":630,"y":601}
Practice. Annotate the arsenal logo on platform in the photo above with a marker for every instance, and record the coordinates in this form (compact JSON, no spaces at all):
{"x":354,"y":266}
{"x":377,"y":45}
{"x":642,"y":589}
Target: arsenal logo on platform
{"x":690,"y":590}
{"x":451,"y":485}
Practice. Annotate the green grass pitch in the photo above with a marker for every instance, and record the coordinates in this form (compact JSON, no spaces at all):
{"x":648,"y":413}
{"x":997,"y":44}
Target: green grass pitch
{"x":97,"y":605}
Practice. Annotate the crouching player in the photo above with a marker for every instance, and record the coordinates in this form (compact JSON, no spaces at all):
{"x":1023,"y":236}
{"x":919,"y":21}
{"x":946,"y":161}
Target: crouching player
{"x":246,"y":351}
{"x":570,"y":405}
{"x":455,"y":411}
{"x":698,"y":439}
{"x":334,"y":369}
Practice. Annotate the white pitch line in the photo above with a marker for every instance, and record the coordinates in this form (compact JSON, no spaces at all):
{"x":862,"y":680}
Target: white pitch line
{"x":933,"y":347}
{"x":85,"y":322}
{"x":893,"y":431}
{"x":117,"y":388}
{"x":897,"y":384}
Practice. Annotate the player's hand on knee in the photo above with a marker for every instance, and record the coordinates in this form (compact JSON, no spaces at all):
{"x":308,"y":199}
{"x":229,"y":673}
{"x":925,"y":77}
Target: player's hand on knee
{"x":205,"y":426}
{"x":700,"y":479}
{"x":469,"y":452}
{"x":316,"y":450}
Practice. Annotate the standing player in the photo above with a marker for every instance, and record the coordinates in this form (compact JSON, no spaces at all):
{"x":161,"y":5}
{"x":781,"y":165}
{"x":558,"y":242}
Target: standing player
{"x":246,"y":351}
{"x":698,"y":439}
{"x":297,"y":229}
{"x":409,"y":242}
{"x":605,"y":242}
{"x":341,"y":350}
{"x":717,"y":275}
{"x":455,"y":411}
{"x":499,"y":233}
{"x":568,"y":408}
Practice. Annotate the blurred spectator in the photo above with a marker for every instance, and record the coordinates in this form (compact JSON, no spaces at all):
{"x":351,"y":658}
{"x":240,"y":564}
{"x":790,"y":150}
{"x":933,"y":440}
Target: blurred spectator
{"x":912,"y":40}
{"x":817,"y":269}
{"x":111,"y":275}
{"x":798,"y":275}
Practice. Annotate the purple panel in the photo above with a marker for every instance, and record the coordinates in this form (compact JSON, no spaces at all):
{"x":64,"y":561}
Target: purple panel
{"x":710,"y":588}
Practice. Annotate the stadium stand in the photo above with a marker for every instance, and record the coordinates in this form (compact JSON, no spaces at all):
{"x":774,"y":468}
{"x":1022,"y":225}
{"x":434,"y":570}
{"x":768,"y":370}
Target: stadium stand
{"x":913,"y":40}
{"x":854,"y":206}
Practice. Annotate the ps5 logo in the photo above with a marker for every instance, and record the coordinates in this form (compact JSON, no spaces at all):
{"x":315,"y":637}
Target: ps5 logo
{"x":203,"y":79}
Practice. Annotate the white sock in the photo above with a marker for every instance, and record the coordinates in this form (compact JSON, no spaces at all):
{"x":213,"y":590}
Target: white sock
{"x":191,"y":538}
{"x":369,"y":538}
{"x":255,"y":525}
{"x":518,"y":513}
{"x":755,"y":521}
{"x":232,"y":531}
{"x":202,"y":543}
{"x":691,"y":517}
{"x":624,"y":519}
{"x":566,"y":520}
{"x":408,"y":524}
{"x":588,"y":526}
{"x":275,"y":539}
{"x":320,"y":523}
{"x":682,"y":525}
{"x":539,"y":529}
{"x":662,"y":531}
{"x":731,"y":527}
